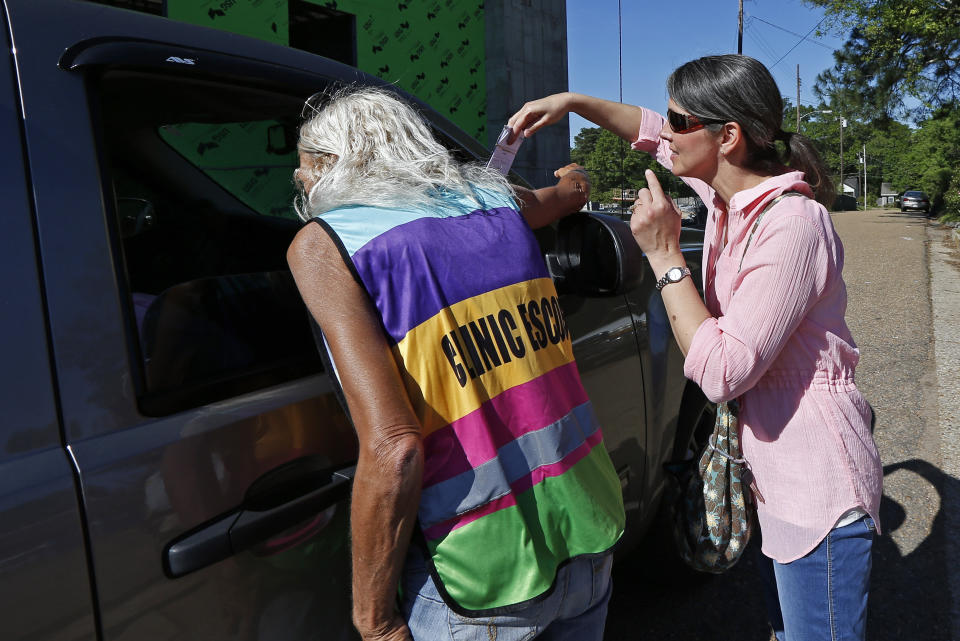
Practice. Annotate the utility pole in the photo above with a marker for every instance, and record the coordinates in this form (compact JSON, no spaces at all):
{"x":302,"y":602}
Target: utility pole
{"x":798,"y":98}
{"x":843,"y":123}
{"x":864,"y":176}
{"x":740,"y":30}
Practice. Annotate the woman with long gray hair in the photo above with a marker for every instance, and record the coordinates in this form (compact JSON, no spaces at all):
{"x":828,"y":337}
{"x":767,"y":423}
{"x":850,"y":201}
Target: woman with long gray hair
{"x":428,"y":284}
{"x":771,"y":330}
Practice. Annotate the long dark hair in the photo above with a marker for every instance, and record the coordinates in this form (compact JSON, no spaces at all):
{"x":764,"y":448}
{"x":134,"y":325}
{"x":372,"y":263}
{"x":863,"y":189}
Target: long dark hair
{"x":735,"y":88}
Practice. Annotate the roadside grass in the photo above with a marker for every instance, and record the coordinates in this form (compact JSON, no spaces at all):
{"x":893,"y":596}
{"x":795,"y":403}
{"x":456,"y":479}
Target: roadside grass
{"x":949,"y":217}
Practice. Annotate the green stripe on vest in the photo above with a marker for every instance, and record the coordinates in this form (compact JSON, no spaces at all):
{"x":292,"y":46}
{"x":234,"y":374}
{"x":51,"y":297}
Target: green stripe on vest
{"x":580,"y":512}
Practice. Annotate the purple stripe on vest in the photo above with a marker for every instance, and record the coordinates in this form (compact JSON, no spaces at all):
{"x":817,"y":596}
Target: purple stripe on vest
{"x":416,"y":269}
{"x":519,"y":486}
{"x":474,"y":439}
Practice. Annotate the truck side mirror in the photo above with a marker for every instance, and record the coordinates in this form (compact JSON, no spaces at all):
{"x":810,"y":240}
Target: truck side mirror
{"x":595,"y":255}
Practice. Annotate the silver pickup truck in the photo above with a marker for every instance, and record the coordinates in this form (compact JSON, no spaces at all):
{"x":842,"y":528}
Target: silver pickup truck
{"x":174,"y":463}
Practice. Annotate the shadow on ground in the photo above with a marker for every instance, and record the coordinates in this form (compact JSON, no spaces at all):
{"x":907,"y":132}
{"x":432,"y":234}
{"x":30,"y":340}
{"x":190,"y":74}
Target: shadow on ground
{"x":656,"y":598}
{"x":910,"y":596}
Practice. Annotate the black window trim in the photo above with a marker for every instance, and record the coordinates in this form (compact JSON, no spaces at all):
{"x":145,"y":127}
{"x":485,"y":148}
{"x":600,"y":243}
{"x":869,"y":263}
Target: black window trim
{"x":138,"y":53}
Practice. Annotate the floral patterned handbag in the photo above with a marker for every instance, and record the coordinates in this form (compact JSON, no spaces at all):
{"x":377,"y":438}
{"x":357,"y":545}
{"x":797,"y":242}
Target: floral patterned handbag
{"x":712,"y":511}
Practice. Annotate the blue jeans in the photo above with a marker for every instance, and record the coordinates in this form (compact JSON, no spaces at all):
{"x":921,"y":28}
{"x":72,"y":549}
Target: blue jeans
{"x":576,"y":610}
{"x":823,"y":595}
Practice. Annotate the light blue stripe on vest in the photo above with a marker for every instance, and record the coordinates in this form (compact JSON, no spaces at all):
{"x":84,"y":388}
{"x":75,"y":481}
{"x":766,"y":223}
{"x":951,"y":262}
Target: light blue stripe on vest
{"x":488,"y":481}
{"x":357,"y":225}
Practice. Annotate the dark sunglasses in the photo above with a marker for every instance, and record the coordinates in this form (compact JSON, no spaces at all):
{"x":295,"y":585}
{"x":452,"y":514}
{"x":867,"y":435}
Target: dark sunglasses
{"x":685,"y":123}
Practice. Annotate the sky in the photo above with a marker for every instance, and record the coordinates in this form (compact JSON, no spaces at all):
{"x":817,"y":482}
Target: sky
{"x":657,"y":37}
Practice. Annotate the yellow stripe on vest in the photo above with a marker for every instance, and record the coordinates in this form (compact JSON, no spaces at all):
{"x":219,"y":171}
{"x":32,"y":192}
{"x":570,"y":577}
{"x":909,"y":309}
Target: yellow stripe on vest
{"x":473,"y":350}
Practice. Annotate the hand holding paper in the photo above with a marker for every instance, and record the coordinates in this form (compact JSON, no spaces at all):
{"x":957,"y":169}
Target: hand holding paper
{"x":504,"y":152}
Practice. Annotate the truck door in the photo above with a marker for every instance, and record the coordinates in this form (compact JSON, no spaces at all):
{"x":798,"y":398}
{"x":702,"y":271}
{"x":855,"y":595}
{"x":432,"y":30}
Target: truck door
{"x":608,"y":354}
{"x":44,"y":584}
{"x":214,"y":459}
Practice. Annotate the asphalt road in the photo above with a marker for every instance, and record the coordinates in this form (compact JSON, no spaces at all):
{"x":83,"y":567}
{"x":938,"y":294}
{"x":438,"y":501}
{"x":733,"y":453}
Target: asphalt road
{"x":903,"y":280}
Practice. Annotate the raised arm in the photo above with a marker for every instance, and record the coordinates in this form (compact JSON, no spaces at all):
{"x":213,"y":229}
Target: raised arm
{"x":622,"y":119}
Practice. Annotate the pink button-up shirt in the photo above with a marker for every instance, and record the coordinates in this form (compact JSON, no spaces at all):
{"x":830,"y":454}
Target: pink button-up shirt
{"x":778,"y":341}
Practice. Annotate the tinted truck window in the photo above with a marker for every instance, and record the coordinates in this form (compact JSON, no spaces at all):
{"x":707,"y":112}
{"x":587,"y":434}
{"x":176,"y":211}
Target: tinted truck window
{"x":200,"y":177}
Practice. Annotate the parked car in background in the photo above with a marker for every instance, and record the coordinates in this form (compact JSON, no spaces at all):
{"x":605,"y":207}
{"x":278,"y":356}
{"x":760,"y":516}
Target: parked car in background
{"x":914,"y":201}
{"x":174,"y":461}
{"x":694,"y":214}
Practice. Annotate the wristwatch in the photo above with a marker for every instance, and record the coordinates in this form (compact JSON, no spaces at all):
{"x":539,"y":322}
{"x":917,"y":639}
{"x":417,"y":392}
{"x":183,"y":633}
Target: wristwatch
{"x":673,"y":275}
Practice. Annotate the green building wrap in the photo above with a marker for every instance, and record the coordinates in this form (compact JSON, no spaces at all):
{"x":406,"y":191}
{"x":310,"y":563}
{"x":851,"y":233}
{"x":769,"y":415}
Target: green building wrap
{"x":434,"y":49}
{"x":264,"y":19}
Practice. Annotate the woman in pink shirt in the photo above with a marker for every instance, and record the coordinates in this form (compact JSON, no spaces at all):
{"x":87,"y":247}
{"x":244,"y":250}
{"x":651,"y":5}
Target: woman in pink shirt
{"x":771,"y":332}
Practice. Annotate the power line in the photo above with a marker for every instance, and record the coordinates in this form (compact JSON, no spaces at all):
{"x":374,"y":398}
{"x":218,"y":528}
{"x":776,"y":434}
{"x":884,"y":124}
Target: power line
{"x":802,"y":38}
{"x":811,"y":40}
{"x":761,"y":42}
{"x":763,"y":45}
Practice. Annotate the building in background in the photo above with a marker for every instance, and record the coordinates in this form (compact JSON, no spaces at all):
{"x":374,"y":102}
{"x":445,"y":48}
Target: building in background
{"x":474,"y":61}
{"x":888,"y":195}
{"x":851,"y":185}
{"x":526,"y":54}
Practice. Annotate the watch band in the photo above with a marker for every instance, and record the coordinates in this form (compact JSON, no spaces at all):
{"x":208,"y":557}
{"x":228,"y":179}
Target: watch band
{"x":673,"y":275}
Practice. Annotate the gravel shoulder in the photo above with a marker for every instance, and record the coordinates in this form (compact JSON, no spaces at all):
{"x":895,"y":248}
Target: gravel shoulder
{"x":890,"y":313}
{"x":944,"y":252}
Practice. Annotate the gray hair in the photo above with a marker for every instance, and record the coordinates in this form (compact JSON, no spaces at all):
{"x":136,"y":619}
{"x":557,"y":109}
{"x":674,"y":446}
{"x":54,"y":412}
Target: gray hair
{"x":736,"y":88}
{"x":385,"y":156}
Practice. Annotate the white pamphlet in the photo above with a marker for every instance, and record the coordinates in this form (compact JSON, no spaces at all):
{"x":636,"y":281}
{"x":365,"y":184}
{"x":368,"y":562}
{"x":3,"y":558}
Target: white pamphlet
{"x":503,"y":153}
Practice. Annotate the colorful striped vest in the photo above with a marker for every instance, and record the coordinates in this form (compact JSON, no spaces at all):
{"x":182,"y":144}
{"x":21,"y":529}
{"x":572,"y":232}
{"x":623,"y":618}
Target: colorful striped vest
{"x":516,"y":476}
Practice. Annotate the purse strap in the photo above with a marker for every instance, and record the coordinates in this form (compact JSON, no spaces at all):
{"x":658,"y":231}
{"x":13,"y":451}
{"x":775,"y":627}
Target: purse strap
{"x":767,"y":208}
{"x":734,"y":406}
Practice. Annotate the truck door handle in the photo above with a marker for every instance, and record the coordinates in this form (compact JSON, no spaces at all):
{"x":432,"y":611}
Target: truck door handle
{"x":271,"y":505}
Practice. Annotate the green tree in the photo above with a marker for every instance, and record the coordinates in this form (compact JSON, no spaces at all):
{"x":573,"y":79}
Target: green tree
{"x":925,"y":157}
{"x":896,"y":49}
{"x":887,"y":149}
{"x":824,"y":130}
{"x":583,"y":144}
{"x":951,"y":200}
{"x":934,"y":155}
{"x":613,"y":166}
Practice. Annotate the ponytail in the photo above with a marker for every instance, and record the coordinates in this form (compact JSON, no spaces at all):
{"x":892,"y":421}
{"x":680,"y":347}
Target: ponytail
{"x":800,"y":154}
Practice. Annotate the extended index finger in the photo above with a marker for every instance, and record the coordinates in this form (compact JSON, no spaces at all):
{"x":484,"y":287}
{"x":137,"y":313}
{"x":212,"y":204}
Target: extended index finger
{"x":654,"y":185}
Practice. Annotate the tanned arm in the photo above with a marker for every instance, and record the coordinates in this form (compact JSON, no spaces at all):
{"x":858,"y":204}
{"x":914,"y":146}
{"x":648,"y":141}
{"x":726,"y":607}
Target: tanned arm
{"x":386,"y":489}
{"x":540,"y":207}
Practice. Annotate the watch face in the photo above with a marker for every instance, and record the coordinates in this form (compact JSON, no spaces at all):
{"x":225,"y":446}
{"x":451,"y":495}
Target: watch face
{"x":674,"y":273}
